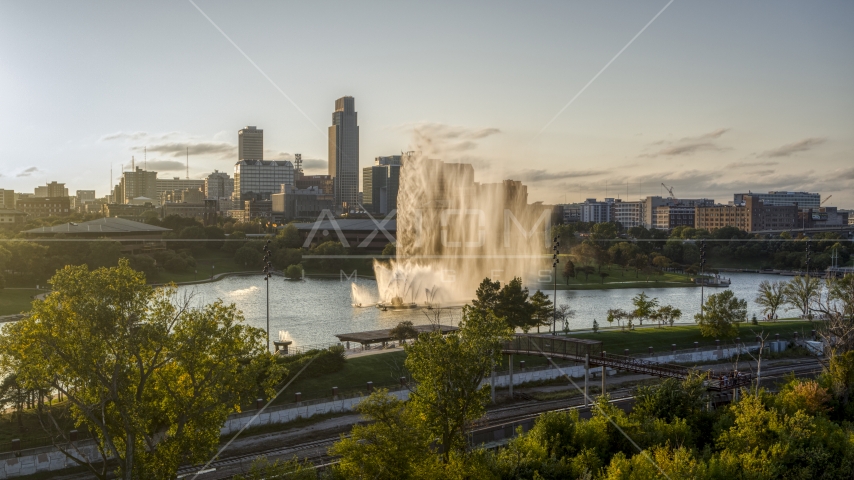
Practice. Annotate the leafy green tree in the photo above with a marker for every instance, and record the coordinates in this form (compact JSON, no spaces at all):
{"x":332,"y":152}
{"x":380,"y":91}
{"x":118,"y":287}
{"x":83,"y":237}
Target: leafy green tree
{"x":403,"y":331}
{"x":514,"y":305}
{"x":801,"y":292}
{"x":390,"y":250}
{"x":153,"y":379}
{"x":666,"y":314}
{"x":488,"y":294}
{"x":262,"y":469}
{"x":721,"y":315}
{"x":771,"y":296}
{"x":603,"y":276}
{"x":448,"y":371}
{"x":644,"y":306}
{"x":542,"y":309}
{"x":568,"y":270}
{"x":234,"y":242}
{"x":248,"y":257}
{"x":294,"y":272}
{"x":213,"y":233}
{"x":289,"y":237}
{"x":842,"y":290}
{"x":285,"y":257}
{"x":640,"y":262}
{"x":334,"y":251}
{"x":393,"y":444}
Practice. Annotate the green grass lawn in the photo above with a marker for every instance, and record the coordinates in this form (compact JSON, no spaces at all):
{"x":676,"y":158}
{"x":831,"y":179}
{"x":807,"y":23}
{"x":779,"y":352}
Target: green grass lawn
{"x":618,"y":277}
{"x":14,"y":300}
{"x":222,"y":262}
{"x":684,"y":336}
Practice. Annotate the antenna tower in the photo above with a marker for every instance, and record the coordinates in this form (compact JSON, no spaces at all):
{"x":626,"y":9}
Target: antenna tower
{"x":298,"y":162}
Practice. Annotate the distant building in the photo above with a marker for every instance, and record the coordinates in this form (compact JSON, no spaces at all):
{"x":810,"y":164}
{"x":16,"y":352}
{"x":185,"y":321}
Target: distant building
{"x":381,"y":184}
{"x":205,"y":210}
{"x":258,"y":209}
{"x":85,"y":196}
{"x":10,"y":216}
{"x":258,"y":179}
{"x":45,"y":207}
{"x":824,"y":218}
{"x":355,"y":232}
{"x":293,"y":203}
{"x":7,"y":199}
{"x":136,"y":183}
{"x":629,"y":214}
{"x":597,"y":212}
{"x":218,"y":185}
{"x":135,"y":236}
{"x":344,"y":152}
{"x":176,"y":184}
{"x":250,"y":144}
{"x":129,"y":211}
{"x":571,"y":212}
{"x":52,"y":189}
{"x":322,"y":182}
{"x":668,"y":217}
{"x":650,"y":204}
{"x":751,"y":216}
{"x":802,"y":199}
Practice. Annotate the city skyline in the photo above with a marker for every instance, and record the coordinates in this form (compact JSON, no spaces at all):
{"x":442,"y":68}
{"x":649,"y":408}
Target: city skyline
{"x":709,"y":99}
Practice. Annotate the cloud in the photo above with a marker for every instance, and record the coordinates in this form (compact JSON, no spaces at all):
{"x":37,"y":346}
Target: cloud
{"x":847,"y":174}
{"x":179,"y":149}
{"x":535,"y":176}
{"x":314,"y":164}
{"x":136,"y":136}
{"x":28,"y":172}
{"x":690,"y":145}
{"x":792,"y":148}
{"x":165,"y":165}
{"x":750,"y":164}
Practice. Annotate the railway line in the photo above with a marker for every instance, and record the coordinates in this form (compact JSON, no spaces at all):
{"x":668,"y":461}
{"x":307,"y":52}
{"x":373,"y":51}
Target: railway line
{"x":316,"y":451}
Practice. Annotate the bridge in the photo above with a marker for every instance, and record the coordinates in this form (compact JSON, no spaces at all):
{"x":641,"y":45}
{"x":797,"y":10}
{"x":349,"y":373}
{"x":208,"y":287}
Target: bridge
{"x":590,"y":353}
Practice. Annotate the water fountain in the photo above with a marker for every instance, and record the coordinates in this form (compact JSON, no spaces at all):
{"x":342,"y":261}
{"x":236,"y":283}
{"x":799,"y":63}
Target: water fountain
{"x":452,"y":232}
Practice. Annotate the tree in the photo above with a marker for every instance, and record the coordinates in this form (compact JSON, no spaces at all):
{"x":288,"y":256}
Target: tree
{"x":587,"y":270}
{"x":289,"y":237}
{"x":603,"y":275}
{"x":488,"y":293}
{"x":403,"y":331}
{"x":841,"y":291}
{"x":568,"y":270}
{"x":248,"y":257}
{"x":294,"y":272}
{"x":619,"y":315}
{"x":640,"y":262}
{"x":152,"y":378}
{"x":564,"y":313}
{"x":595,"y":326}
{"x":801,"y":292}
{"x":542,"y":310}
{"x":393,"y":444}
{"x":262,"y":469}
{"x":514,"y":305}
{"x":771,"y":297}
{"x":448,"y":371}
{"x":390,"y":250}
{"x":721,"y":315}
{"x":644,"y":306}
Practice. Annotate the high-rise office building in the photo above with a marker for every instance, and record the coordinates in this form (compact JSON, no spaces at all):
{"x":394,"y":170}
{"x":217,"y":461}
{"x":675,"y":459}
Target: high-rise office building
{"x":344,"y":152}
{"x":177,"y":184}
{"x":52,"y":189}
{"x":258,"y":179}
{"x":250,"y":143}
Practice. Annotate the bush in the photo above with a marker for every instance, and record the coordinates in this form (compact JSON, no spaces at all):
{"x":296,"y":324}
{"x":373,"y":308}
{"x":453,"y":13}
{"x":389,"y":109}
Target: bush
{"x":248,"y":257}
{"x":294,"y":272}
{"x":327,"y":361}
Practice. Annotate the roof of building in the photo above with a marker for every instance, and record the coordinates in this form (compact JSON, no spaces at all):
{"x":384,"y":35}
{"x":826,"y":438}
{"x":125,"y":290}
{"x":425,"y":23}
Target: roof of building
{"x":346,"y":224}
{"x":384,"y":335}
{"x":10,"y":211}
{"x":104,"y":225}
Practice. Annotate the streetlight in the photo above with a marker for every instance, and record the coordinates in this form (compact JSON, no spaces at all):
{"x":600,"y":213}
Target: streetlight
{"x":702,"y":278}
{"x":268,"y":272}
{"x":555,"y":261}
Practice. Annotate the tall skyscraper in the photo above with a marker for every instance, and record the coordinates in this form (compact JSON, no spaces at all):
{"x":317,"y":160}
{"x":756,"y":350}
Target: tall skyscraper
{"x":258,"y":179}
{"x":344,"y":152}
{"x":138,"y":183}
{"x":250,"y":144}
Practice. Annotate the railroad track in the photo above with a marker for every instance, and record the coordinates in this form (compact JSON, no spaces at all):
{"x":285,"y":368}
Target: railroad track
{"x":316,"y":451}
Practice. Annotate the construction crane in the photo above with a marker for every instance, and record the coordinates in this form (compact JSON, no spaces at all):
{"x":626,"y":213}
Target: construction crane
{"x":826,"y":199}
{"x":669,"y":189}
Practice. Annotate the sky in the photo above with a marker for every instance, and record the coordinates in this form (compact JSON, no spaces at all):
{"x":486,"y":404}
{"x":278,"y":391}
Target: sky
{"x":576,"y":99}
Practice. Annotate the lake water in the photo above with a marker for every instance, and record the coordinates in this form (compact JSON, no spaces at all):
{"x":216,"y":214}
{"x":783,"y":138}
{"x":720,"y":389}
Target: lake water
{"x":313,"y":310}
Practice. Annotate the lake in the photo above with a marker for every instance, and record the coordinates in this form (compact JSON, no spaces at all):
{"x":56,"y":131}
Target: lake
{"x":313,"y":310}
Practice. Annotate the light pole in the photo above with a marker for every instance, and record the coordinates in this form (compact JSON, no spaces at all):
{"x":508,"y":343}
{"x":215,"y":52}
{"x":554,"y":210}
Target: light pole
{"x":268,"y":272}
{"x":702,"y":278}
{"x":555,"y":261}
{"x":806,"y":300}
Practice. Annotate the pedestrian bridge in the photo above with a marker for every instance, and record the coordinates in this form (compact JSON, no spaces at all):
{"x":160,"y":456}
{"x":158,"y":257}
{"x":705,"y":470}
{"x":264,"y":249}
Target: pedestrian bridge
{"x":591,"y":354}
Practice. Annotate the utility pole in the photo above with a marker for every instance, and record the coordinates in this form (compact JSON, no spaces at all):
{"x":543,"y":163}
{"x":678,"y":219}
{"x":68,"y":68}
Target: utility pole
{"x":555,"y":261}
{"x":806,"y":299}
{"x":268,"y":272}
{"x":702,"y":278}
